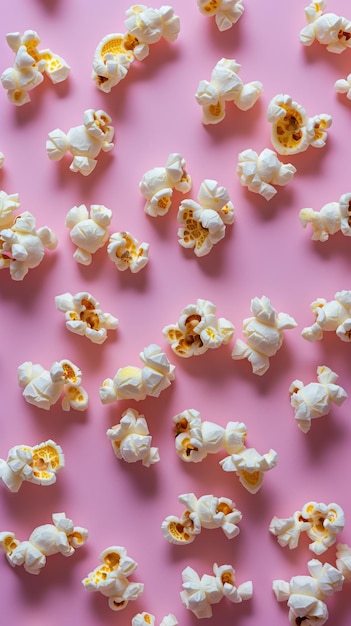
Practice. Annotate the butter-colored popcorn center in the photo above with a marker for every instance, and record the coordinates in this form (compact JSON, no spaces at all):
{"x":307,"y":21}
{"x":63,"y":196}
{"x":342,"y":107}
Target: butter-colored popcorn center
{"x":288,"y":130}
{"x":193,"y":230}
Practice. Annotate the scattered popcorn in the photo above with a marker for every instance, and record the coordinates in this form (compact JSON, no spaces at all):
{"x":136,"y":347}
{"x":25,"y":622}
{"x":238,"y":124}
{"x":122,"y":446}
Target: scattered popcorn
{"x":292,"y":130}
{"x":315,"y":399}
{"x":264,"y":335}
{"x":198,"y":329}
{"x":89,"y":230}
{"x":136,"y":383}
{"x":343,"y":85}
{"x":38,"y":464}
{"x":260,"y":172}
{"x":146,"y":618}
{"x":328,"y":29}
{"x":8,"y":204}
{"x":83,"y":142}
{"x":158,"y":183}
{"x":343,"y":560}
{"x":43,"y":388}
{"x":111,"y":578}
{"x":250,"y":467}
{"x":29,"y":66}
{"x":331,"y":218}
{"x":131,"y":440}
{"x":84,"y":317}
{"x":60,"y":537}
{"x":227,"y":12}
{"x":126,"y":252}
{"x":225,"y":86}
{"x":333,"y":315}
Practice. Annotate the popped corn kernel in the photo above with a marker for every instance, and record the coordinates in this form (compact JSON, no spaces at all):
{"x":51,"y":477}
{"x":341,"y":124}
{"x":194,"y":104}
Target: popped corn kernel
{"x":343,"y":85}
{"x":8,"y":204}
{"x":195,"y":439}
{"x":250,"y":466}
{"x":112,"y":59}
{"x":226,"y":12}
{"x":334,"y":315}
{"x":127,"y":253}
{"x":84,"y":317}
{"x":260,"y":172}
{"x":131,"y":440}
{"x":148,"y":25}
{"x":343,"y":560}
{"x":157,"y":184}
{"x":328,"y":29}
{"x":147,"y":618}
{"x":89,"y":230}
{"x":331,"y":218}
{"x":38,"y":464}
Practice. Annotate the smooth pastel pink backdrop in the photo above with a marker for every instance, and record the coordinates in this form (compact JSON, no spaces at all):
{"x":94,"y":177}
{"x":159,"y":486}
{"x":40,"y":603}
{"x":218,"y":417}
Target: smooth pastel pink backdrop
{"x":266,"y":252}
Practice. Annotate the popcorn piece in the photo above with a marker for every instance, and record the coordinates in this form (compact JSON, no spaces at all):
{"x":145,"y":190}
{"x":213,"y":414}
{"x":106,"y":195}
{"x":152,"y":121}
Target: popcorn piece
{"x":146,"y":618}
{"x":343,"y":85}
{"x":111,"y":578}
{"x":149,"y":26}
{"x":84,"y":317}
{"x":260,"y":172}
{"x":225,"y":86}
{"x":292,"y":130}
{"x":158,"y":183}
{"x":38,"y":465}
{"x":333,"y":315}
{"x":136,"y":383}
{"x":227,"y":12}
{"x":60,"y":537}
{"x":328,"y":29}
{"x":250,"y":466}
{"x":43,"y":388}
{"x":343,"y":560}
{"x":126,"y":252}
{"x":198,"y":329}
{"x":89,"y":230}
{"x":83,"y":142}
{"x":204,"y":222}
{"x":131,"y":440}
{"x":264,"y":335}
{"x":112,"y":60}
{"x":315,"y":399}
{"x":331,"y":218}
{"x":8,"y":204}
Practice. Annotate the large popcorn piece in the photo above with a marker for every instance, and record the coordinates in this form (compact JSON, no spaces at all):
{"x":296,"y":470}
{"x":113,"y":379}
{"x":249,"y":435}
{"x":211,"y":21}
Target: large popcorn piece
{"x":198,"y":329}
{"x":334,"y":315}
{"x":112,"y":578}
{"x":292,"y":130}
{"x":332,"y":217}
{"x":225,"y":86}
{"x":205,"y":512}
{"x":315,"y":399}
{"x":261,"y":172}
{"x":60,"y":537}
{"x":29,"y":66}
{"x":157,"y":184}
{"x":321,"y":522}
{"x":328,"y":29}
{"x":38,"y":464}
{"x":198,"y":594}
{"x":89,"y":230}
{"x":136,"y":383}
{"x":117,"y":51}
{"x":84,"y":317}
{"x":203,"y":223}
{"x":226,"y":12}
{"x":263,"y":333}
{"x":43,"y":388}
{"x":84,"y":142}
{"x":142,"y":619}
{"x":306,"y":595}
{"x":127,"y":253}
{"x":131,"y":440}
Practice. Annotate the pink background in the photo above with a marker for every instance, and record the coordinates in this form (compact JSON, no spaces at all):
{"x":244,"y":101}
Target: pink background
{"x":265,"y":252}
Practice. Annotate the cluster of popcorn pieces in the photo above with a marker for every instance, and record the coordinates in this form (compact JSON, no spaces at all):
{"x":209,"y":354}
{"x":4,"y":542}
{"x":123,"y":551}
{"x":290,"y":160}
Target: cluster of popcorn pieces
{"x":226,"y":12}
{"x":147,"y":618}
{"x":332,"y":315}
{"x":329,"y":29}
{"x":131,"y":440}
{"x":261,"y":172}
{"x":84,"y":317}
{"x":330,"y":219}
{"x":157,"y":184}
{"x":38,"y":464}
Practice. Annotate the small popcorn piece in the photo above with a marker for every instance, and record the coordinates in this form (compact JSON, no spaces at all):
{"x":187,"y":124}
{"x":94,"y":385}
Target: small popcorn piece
{"x":131,"y":440}
{"x":315,"y":399}
{"x":84,"y":317}
{"x":157,"y":184}
{"x":343,"y":560}
{"x":334,"y":315}
{"x":127,"y":253}
{"x":332,"y":217}
{"x":260,"y":172}
{"x":60,"y":537}
{"x":147,"y":618}
{"x":225,"y":86}
{"x":38,"y":465}
{"x":328,"y":29}
{"x":225,"y":574}
{"x":89,"y":230}
{"x":226,"y":12}
{"x":84,"y":142}
{"x":250,"y":467}
{"x":198,"y":329}
{"x":112,"y":60}
{"x":111,"y":578}
{"x":264,"y":335}
{"x":343,"y":85}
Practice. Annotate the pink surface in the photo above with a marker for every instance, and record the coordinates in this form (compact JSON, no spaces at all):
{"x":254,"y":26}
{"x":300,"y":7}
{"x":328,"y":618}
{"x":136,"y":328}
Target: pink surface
{"x":265,"y":252}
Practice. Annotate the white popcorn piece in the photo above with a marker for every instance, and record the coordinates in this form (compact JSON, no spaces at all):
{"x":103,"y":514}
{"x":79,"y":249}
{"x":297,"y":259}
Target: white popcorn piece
{"x":38,"y":464}
{"x":315,"y":399}
{"x":112,"y":60}
{"x":263,"y":333}
{"x":288,"y":530}
{"x":111,"y":578}
{"x":43,"y":388}
{"x":89,"y":230}
{"x":225,"y":574}
{"x":343,"y":560}
{"x":332,"y":217}
{"x":147,"y":618}
{"x":8,"y":204}
{"x":343,"y":85}
{"x":334,"y":315}
{"x":148,"y":25}
{"x":260,"y":172}
{"x":84,"y":317}
{"x":225,"y":86}
{"x":157,"y":184}
{"x":292,"y":130}
{"x":131,"y":440}
{"x":127,"y":253}
{"x":226,"y":12}
{"x":59,"y":537}
{"x":250,"y":466}
{"x":328,"y":29}
{"x":136,"y":383}
{"x":84,"y":142}
{"x":198,"y":329}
